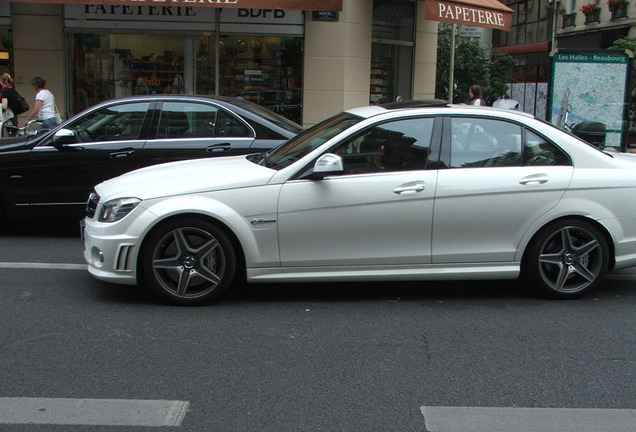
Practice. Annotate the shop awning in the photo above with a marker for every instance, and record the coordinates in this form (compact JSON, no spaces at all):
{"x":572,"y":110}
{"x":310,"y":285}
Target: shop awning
{"x":306,"y":5}
{"x":475,"y":13}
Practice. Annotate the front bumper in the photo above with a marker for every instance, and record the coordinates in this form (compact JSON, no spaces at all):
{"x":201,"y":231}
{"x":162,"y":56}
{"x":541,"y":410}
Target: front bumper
{"x":111,"y":250}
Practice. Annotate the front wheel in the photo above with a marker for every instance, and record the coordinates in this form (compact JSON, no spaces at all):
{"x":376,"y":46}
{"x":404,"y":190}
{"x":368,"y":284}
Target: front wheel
{"x":566,"y":259}
{"x":188,"y":261}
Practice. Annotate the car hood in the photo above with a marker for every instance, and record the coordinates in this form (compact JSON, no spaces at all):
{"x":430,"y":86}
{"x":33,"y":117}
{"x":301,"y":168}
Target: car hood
{"x":185,"y":177}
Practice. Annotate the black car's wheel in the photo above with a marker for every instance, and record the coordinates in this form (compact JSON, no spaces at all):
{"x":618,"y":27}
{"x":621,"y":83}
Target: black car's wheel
{"x":566,"y":259}
{"x":188,"y":261}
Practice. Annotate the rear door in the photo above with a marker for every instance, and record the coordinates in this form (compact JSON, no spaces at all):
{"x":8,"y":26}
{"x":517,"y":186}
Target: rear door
{"x":493,"y":189}
{"x":192,"y":130}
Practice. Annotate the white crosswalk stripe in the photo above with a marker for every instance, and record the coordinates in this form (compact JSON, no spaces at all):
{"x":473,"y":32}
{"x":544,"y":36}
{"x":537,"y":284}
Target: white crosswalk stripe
{"x":484,"y":419}
{"x":93,"y":412}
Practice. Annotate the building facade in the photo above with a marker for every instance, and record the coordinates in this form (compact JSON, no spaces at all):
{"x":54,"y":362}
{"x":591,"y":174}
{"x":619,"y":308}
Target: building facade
{"x":323,"y":62}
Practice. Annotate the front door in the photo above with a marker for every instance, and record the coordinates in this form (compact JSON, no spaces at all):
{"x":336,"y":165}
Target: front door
{"x":378,"y":213}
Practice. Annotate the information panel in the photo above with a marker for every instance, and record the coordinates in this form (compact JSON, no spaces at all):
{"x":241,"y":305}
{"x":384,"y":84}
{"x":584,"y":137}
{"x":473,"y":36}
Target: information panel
{"x":591,"y":86}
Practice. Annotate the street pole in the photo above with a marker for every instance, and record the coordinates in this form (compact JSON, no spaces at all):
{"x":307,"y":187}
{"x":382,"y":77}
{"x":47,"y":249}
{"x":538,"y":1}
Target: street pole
{"x":451,"y":66}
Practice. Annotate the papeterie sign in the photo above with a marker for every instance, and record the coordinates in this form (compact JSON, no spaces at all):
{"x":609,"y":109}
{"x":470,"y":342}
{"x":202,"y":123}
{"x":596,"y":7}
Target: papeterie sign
{"x":309,"y":5}
{"x":476,"y":13}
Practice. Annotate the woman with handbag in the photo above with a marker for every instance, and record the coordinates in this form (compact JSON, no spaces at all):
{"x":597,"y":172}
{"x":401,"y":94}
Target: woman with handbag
{"x":10,"y":100}
{"x":44,"y":109}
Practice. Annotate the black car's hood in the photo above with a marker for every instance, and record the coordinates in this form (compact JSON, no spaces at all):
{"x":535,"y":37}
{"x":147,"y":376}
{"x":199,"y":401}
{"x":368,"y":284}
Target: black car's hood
{"x":11,"y":141}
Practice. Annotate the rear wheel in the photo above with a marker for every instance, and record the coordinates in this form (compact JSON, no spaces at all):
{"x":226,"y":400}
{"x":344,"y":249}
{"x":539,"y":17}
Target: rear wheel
{"x":566,"y":259}
{"x":188,"y":261}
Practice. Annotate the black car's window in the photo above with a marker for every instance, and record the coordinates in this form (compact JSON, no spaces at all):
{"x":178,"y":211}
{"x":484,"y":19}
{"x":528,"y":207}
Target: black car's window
{"x":231,"y":127}
{"x":112,"y":123}
{"x":395,"y":146}
{"x":187,"y":120}
{"x":481,"y":142}
{"x":540,"y":152}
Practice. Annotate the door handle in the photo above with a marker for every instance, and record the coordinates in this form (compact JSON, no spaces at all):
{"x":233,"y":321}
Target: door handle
{"x":122,"y":153}
{"x":409,"y":189}
{"x":223,"y":147}
{"x":534,"y":179}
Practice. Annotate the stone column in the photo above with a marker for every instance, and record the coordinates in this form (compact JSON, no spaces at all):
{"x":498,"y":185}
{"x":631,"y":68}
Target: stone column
{"x":337,"y":62}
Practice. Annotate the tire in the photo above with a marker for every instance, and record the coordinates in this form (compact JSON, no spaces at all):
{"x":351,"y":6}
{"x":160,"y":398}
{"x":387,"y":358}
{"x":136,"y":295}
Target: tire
{"x":188,"y":261}
{"x":566,"y":259}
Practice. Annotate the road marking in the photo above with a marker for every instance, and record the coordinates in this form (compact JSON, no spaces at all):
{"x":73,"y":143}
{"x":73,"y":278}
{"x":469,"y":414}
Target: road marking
{"x":43,"y":266}
{"x":476,"y":419}
{"x":93,"y":412}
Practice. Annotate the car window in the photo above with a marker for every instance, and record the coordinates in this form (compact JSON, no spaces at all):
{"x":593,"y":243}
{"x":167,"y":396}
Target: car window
{"x":187,"y":120}
{"x":395,"y":146}
{"x":481,"y":142}
{"x":111,"y":123}
{"x":230,"y":126}
{"x":540,"y":152}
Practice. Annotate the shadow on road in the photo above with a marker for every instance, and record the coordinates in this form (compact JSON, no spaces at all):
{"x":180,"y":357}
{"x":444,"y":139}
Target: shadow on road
{"x":40,"y":228}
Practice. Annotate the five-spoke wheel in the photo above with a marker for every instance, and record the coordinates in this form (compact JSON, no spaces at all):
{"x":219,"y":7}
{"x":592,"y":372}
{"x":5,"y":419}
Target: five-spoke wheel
{"x":566,"y":259}
{"x":188,"y":261}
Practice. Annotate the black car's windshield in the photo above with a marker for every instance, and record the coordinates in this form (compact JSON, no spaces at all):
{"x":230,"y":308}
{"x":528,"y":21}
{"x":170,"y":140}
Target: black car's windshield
{"x":309,"y":140}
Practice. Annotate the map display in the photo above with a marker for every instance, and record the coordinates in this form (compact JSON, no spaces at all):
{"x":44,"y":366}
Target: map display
{"x":591,"y":87}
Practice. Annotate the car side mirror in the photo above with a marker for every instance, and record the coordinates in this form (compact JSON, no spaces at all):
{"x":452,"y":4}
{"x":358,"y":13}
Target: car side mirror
{"x":64,"y":136}
{"x":326,"y":165}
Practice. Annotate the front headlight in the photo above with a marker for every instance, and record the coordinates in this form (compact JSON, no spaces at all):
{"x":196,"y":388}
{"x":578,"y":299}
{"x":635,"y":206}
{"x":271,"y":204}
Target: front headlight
{"x":117,"y":209}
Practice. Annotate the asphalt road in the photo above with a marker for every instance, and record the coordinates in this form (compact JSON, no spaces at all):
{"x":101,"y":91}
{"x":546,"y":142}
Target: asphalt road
{"x":317,"y":357}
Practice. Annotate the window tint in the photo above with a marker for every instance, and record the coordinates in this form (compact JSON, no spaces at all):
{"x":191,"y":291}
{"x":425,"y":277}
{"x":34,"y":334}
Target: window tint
{"x":396,"y":146}
{"x":540,"y":152}
{"x":230,"y":126}
{"x":187,"y":120}
{"x":479,"y":142}
{"x":112,"y":123}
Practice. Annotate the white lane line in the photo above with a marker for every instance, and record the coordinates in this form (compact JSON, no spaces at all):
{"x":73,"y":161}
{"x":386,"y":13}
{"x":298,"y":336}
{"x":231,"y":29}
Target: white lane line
{"x":478,"y":419}
{"x":93,"y":412}
{"x":42,"y":266}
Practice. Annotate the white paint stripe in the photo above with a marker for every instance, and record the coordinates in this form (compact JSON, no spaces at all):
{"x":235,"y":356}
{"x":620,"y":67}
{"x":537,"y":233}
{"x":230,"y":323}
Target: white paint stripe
{"x":475,"y":419}
{"x":94,"y":412}
{"x":42,"y":266}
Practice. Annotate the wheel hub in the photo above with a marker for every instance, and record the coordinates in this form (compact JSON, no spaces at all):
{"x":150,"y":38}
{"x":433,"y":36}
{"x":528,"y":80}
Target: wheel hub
{"x":189,"y":262}
{"x":569,"y":258}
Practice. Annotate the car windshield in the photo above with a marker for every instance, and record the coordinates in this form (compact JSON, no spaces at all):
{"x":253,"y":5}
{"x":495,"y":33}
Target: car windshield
{"x":309,"y":140}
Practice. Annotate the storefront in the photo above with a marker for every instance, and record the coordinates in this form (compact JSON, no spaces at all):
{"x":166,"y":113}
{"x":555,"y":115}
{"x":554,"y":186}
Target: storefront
{"x":117,"y":51}
{"x":6,"y":38}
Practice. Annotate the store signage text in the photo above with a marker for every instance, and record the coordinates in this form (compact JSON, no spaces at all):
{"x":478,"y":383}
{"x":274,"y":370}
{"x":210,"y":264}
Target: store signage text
{"x":470,"y":15}
{"x":480,"y":13}
{"x":139,"y":10}
{"x":212,"y":2}
{"x":255,"y":13}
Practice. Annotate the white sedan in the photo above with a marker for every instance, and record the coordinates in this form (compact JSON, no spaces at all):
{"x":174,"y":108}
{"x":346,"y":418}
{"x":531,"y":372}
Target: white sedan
{"x":433,"y":193}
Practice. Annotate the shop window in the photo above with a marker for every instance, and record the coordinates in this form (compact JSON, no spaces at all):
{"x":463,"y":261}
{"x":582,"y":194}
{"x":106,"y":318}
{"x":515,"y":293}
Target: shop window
{"x":263,"y":70}
{"x":118,"y":65}
{"x":392,"y":50}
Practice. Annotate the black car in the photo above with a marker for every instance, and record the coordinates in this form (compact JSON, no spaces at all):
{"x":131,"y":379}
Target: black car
{"x":54,"y":172}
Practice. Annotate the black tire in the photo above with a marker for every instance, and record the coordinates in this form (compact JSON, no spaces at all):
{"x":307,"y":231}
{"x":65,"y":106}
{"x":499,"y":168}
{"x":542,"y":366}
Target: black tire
{"x":188,"y":261}
{"x":566,"y":259}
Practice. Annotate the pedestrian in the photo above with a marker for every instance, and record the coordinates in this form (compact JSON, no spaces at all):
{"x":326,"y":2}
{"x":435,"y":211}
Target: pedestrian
{"x":10,"y":99}
{"x":476,"y":96}
{"x":44,"y":109}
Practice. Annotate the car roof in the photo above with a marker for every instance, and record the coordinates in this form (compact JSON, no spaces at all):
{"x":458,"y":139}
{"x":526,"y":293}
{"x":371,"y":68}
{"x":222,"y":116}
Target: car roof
{"x":432,"y":106}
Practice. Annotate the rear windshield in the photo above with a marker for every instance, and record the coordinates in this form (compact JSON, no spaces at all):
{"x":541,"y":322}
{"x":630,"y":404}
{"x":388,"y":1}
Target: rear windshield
{"x":267,"y":114}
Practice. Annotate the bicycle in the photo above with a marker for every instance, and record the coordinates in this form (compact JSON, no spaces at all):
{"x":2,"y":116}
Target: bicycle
{"x":28,"y":130}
